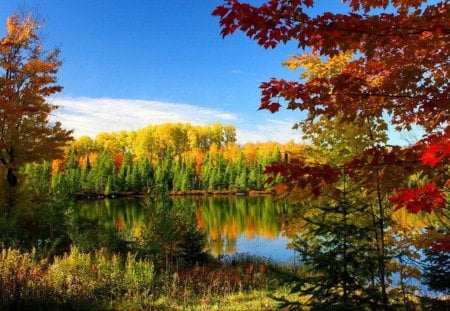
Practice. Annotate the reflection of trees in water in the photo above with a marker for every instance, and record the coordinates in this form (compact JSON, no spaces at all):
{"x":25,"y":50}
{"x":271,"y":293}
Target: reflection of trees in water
{"x":223,"y":218}
{"x":127,"y":215}
{"x":222,"y":246}
{"x":226,"y":218}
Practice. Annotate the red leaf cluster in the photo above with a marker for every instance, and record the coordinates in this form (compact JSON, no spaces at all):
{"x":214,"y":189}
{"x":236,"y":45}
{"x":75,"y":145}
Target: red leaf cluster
{"x":299,"y":174}
{"x":402,"y":71}
{"x":425,"y":198}
{"x":442,"y":244}
{"x":118,"y":160}
{"x":436,"y":148}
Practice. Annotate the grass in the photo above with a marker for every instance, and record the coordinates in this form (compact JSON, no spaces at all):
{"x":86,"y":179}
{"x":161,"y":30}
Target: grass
{"x":104,"y":281}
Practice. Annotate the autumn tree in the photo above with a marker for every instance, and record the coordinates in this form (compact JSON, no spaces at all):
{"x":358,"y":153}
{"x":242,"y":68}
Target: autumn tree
{"x":27,"y":79}
{"x":397,"y":72}
{"x":399,"y":69}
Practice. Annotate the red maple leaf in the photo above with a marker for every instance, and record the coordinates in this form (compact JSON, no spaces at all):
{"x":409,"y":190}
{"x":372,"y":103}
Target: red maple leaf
{"x":415,"y":200}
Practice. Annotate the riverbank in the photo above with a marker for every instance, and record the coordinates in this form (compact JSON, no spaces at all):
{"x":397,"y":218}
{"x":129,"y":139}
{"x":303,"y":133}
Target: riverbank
{"x":179,"y":193}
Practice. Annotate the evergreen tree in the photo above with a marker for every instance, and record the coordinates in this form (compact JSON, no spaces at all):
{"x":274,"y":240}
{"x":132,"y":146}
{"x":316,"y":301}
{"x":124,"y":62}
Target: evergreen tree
{"x":177,"y":172}
{"x":241,"y":176}
{"x":101,"y":171}
{"x":60,"y":185}
{"x":125,"y":169}
{"x":188,"y":177}
{"x":206,"y":171}
{"x":147,"y":175}
{"x":164,"y":175}
{"x":437,"y":270}
{"x":230,"y":175}
{"x":72,"y":174}
{"x":339,"y":259}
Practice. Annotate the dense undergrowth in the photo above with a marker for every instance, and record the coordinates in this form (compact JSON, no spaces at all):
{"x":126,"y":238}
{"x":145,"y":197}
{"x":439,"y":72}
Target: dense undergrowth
{"x":102,"y":280}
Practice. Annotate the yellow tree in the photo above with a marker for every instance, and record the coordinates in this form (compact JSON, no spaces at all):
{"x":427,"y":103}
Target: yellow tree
{"x":27,"y":78}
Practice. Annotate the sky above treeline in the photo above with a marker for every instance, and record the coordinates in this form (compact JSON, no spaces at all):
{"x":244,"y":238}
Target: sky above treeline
{"x":127,"y":64}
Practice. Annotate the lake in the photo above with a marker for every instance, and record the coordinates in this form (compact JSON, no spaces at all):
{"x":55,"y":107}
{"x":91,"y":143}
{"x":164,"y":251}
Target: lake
{"x":233,"y":224}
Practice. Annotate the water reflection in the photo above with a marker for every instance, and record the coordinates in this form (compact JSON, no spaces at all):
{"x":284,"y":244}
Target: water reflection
{"x":127,"y":215}
{"x":226,"y":219}
{"x":233,"y":224}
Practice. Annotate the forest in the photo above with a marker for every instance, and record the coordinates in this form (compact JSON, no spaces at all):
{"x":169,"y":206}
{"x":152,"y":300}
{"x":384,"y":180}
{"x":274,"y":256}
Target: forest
{"x":178,"y":157}
{"x":368,"y":219}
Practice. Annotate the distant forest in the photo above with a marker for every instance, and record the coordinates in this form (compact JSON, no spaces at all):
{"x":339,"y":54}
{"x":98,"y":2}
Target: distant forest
{"x":177,"y":157}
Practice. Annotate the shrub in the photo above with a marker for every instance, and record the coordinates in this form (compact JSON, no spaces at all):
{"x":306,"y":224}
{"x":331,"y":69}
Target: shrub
{"x":138,"y":276}
{"x":73,"y":276}
{"x":75,"y":280}
{"x":20,"y":277}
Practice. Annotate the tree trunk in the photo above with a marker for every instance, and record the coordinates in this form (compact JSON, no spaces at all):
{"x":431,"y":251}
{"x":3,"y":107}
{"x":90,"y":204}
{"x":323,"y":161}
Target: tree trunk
{"x":11,"y":177}
{"x":382,"y":254}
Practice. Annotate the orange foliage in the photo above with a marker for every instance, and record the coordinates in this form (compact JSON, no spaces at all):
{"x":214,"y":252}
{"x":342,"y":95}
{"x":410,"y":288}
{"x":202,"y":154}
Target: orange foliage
{"x":197,"y":156}
{"x":58,"y":166}
{"x":231,"y":152}
{"x":27,"y":79}
{"x":118,"y":160}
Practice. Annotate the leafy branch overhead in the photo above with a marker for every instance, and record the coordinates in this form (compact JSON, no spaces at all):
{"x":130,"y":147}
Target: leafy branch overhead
{"x":397,"y":66}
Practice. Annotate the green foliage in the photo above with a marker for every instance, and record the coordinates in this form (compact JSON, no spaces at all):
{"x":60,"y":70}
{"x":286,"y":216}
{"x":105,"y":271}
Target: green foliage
{"x":138,"y":277}
{"x":38,"y":219}
{"x":338,"y":259}
{"x":437,"y":270}
{"x":101,"y":171}
{"x":172,"y":234}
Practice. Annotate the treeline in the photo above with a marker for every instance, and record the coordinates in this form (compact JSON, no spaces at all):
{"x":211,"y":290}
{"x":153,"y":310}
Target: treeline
{"x":176,"y":157}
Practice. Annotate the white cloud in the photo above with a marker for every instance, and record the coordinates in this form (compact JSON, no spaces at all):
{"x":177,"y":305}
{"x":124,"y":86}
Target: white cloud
{"x":237,"y":72}
{"x":90,"y":116}
{"x":271,"y":130}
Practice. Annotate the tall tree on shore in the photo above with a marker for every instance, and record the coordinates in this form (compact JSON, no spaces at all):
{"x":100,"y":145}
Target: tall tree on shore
{"x":27,"y":78}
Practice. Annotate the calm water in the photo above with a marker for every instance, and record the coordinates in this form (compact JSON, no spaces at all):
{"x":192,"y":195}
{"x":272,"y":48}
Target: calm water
{"x":250,"y":225}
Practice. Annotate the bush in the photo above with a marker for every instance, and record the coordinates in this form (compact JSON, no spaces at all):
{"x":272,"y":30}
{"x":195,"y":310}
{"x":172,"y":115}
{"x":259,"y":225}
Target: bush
{"x":20,"y":277}
{"x":171,"y":237}
{"x":76,"y":280}
{"x":73,"y":277}
{"x":138,"y":277}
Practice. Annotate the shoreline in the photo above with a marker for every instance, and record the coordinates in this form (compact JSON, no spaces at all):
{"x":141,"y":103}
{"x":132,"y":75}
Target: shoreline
{"x":179,"y":193}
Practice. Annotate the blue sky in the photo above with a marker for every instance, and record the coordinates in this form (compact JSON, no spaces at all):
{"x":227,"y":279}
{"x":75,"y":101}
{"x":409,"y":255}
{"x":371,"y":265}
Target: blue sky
{"x":131,"y":63}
